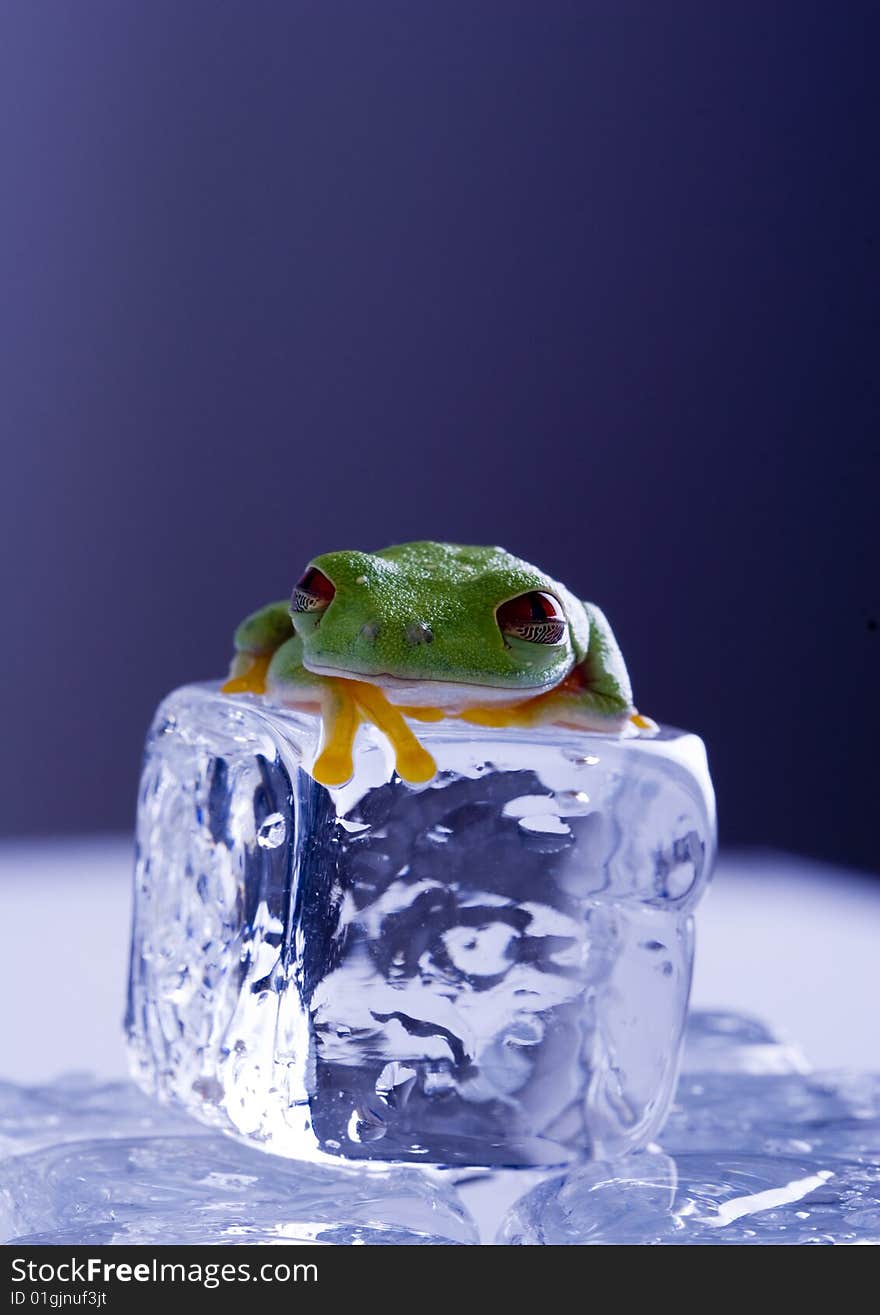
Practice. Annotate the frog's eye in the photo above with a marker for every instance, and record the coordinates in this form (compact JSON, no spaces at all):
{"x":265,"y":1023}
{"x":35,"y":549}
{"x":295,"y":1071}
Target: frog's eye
{"x":535,"y":617}
{"x":313,"y":593}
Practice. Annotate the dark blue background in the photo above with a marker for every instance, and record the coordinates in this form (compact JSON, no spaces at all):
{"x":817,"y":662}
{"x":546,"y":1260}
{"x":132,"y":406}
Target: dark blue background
{"x":594,"y":281}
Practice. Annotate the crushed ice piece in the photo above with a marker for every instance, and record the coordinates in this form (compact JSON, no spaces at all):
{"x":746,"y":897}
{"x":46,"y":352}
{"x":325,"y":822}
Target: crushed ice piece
{"x":716,"y":1198}
{"x":837,"y":1114}
{"x":734,"y":1043}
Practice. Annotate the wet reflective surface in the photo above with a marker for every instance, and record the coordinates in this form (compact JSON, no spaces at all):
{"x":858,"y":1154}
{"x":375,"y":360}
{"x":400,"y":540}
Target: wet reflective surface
{"x":755,"y":1150}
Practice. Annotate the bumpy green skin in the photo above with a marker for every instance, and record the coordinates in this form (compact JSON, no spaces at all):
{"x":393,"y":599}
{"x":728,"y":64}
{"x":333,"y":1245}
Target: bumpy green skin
{"x":374,"y":627}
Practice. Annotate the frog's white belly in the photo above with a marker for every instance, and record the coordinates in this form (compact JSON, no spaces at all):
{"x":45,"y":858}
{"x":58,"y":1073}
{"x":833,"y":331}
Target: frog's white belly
{"x":452,"y":696}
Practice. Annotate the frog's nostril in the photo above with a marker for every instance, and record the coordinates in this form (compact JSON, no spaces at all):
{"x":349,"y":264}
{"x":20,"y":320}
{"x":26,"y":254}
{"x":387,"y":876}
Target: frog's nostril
{"x":370,"y":631}
{"x":419,"y":632}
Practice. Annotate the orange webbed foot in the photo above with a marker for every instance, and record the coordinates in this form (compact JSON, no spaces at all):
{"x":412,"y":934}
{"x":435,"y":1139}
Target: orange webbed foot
{"x":250,"y":681}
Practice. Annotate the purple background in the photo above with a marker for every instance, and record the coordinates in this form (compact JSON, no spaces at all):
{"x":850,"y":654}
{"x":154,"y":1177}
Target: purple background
{"x":594,"y":281}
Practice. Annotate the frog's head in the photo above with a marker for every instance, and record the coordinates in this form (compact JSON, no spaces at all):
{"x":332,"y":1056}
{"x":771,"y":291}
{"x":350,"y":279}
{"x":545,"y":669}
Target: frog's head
{"x":438,"y":623}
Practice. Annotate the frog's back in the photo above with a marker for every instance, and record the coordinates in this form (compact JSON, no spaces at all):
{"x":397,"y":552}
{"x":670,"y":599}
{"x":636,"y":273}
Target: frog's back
{"x":454,"y":562}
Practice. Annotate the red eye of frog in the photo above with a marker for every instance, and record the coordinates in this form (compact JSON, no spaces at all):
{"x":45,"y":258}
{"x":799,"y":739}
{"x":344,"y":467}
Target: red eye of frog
{"x":536,"y":617}
{"x":313,"y":593}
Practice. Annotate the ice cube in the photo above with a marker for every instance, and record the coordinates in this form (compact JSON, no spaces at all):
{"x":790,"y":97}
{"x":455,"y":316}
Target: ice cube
{"x":491,"y":969}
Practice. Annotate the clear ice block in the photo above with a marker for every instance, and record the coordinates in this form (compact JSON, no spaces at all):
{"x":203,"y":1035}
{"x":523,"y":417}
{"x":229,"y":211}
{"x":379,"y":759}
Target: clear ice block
{"x":492,"y":969}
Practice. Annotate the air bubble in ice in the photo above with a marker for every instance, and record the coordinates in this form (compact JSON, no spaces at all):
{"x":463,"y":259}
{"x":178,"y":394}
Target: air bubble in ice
{"x":573,"y":802}
{"x":544,"y":824}
{"x":581,"y":759}
{"x":366,"y":1125}
{"x":209,"y":1088}
{"x":273,"y":832}
{"x":437,"y":1079}
{"x":525,"y":1031}
{"x":395,"y":1083}
{"x":480,"y":951}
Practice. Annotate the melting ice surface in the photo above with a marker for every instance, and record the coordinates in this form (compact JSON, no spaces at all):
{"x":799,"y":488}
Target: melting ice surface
{"x":756,"y":1150}
{"x":99,"y":1164}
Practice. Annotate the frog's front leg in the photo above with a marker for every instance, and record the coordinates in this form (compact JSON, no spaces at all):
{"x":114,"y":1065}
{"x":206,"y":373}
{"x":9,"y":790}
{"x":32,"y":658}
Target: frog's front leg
{"x":256,"y":640}
{"x":288,"y":681}
{"x":344,"y":704}
{"x":341,"y":717}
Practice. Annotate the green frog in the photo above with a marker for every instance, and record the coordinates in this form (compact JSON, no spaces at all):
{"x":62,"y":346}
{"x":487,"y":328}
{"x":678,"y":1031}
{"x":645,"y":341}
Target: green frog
{"x":422,"y":631}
